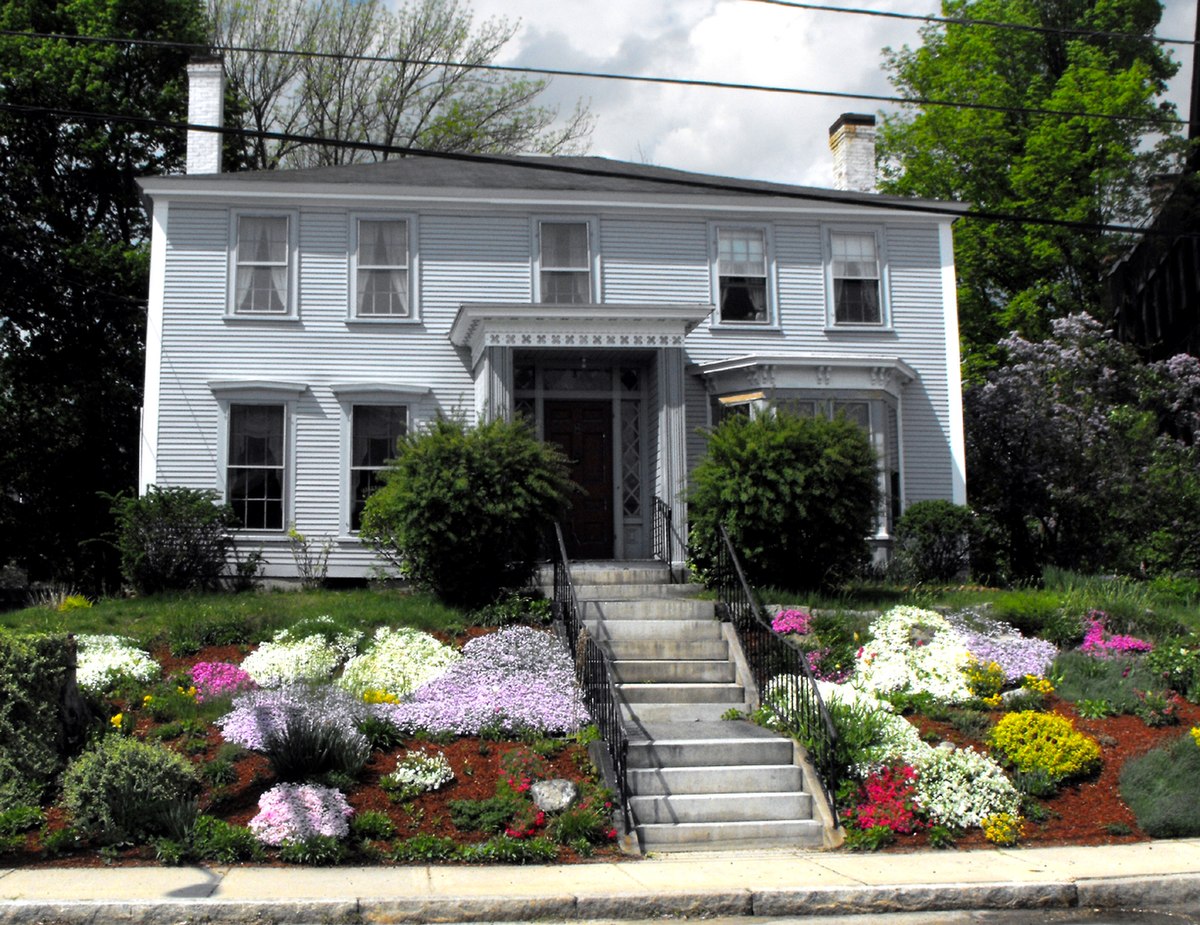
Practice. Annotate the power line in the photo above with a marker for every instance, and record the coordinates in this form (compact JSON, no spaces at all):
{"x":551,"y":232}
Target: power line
{"x":990,"y":23}
{"x":716,"y":184}
{"x":1161,"y":121}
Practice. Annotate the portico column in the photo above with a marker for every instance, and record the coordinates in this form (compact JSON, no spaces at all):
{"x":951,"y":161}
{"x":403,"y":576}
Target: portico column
{"x":672,"y":450}
{"x":493,"y":384}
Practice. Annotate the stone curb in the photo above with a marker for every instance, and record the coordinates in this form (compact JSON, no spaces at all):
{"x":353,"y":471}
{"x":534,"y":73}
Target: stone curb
{"x":1099,"y":893}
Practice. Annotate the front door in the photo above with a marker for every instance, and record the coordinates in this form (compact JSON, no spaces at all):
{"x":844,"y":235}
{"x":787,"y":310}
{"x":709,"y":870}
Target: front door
{"x":584,"y":431}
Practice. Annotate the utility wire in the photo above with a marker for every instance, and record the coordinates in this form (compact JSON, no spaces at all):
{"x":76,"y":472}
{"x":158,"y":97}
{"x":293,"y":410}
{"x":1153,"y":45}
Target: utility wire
{"x":990,"y":23}
{"x":1161,"y":121}
{"x":716,"y":184}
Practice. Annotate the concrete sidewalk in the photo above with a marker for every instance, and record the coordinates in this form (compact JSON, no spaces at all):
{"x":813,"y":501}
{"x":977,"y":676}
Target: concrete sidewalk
{"x":760,"y":883}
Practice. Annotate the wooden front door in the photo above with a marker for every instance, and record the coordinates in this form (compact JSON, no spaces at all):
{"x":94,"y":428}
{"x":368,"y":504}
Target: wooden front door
{"x":584,"y":431}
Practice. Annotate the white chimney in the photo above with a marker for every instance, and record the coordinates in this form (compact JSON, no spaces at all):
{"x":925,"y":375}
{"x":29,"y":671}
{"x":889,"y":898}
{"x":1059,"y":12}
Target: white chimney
{"x":206,"y":106}
{"x":852,"y":140}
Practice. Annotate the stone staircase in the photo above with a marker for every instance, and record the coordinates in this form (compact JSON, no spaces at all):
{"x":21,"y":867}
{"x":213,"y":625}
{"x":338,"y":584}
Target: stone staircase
{"x":697,"y":781}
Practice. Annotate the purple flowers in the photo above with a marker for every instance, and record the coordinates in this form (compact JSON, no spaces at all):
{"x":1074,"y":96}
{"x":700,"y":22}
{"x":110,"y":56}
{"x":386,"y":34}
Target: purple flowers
{"x":791,"y":621}
{"x":297,"y":812}
{"x":1099,"y":644}
{"x":213,"y":680}
{"x":517,"y":678}
{"x":259,"y":715}
{"x":993,"y":641}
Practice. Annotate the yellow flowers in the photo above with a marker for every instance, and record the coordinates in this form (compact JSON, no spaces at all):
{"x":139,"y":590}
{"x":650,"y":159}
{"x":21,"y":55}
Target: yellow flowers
{"x":118,"y":720}
{"x":187,"y":691}
{"x":379,"y":695}
{"x":1003,"y":828}
{"x":147,"y":700}
{"x":1045,"y":743}
{"x":1037,"y":685}
{"x":1196,"y":735}
{"x":985,"y":679}
{"x":994,"y":701}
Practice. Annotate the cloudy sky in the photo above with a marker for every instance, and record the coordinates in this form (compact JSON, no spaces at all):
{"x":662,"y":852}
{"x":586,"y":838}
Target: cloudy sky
{"x":735,"y":133}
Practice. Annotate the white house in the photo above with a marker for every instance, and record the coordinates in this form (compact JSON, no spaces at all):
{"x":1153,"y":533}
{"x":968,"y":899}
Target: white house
{"x":299,"y":321}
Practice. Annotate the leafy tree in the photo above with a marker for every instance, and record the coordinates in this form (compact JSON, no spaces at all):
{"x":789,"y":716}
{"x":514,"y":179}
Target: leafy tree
{"x":1012,"y":276}
{"x":798,"y":496}
{"x":73,"y":257}
{"x":462,"y":509}
{"x":404,"y":78}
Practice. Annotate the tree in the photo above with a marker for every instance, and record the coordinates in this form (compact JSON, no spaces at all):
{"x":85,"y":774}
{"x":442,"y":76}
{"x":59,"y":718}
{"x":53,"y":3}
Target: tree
{"x":797,"y":495}
{"x":73,"y":257}
{"x":1077,"y":168}
{"x":409,"y":79}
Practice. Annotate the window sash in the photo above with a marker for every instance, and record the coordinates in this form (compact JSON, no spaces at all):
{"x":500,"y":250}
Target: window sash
{"x":374,"y":431}
{"x":382,"y":268}
{"x":565,"y":263}
{"x":856,"y":278}
{"x":255,"y":476}
{"x":742,"y":275}
{"x":263,"y":251}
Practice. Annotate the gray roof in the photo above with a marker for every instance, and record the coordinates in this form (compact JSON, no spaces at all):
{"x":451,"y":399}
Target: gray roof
{"x":552,"y":174}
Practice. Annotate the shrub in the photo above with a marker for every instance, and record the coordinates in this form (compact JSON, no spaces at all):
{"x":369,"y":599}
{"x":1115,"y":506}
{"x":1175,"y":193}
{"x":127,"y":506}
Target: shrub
{"x":961,"y":787}
{"x":309,"y":745}
{"x":505,"y":850}
{"x":1047,"y":743}
{"x":888,"y":798}
{"x":119,"y":789}
{"x":798,"y":496}
{"x":216,"y":840}
{"x":173,"y":539}
{"x":298,"y":812}
{"x":1113,"y":680}
{"x":372,"y":825}
{"x":462,"y":509}
{"x":105,"y":662}
{"x":1177,"y":663}
{"x":398,"y":661}
{"x":933,"y":540}
{"x":425,"y":848}
{"x":1161,"y":783}
{"x":315,"y":851}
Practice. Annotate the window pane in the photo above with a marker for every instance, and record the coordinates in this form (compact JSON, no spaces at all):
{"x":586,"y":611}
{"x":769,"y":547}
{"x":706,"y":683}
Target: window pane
{"x":256,"y":435}
{"x":254,"y":481}
{"x":262,"y":239}
{"x":261,"y":289}
{"x":743,"y":252}
{"x":858,"y":412}
{"x":743,"y":298}
{"x":857,"y":301}
{"x":565,"y":288}
{"x":383,"y":292}
{"x":382,"y":243}
{"x":565,"y":245}
{"x":377,"y":428}
{"x":262,"y":259}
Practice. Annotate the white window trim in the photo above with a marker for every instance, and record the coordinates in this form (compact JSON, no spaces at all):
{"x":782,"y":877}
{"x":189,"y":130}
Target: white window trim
{"x":259,"y":392}
{"x":714,"y":254}
{"x":292,"y":303}
{"x":885,"y":302}
{"x":414,"y":301}
{"x":349,"y":394}
{"x":593,"y":254}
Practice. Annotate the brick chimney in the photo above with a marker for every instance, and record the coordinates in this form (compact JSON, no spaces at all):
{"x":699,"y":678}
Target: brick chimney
{"x":852,"y":140}
{"x":206,"y":106}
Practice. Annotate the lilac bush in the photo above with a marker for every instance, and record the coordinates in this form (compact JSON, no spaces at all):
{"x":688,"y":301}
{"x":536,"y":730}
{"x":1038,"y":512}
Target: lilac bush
{"x":214,"y":680}
{"x":297,"y":812}
{"x":514,"y":679}
{"x":257,"y":716}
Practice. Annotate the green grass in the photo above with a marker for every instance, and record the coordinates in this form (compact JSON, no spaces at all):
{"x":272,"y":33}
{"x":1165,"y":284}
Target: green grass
{"x":225,"y":618}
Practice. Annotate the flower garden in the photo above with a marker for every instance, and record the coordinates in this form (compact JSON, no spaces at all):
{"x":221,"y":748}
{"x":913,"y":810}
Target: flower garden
{"x":324,"y":745}
{"x":956,"y":729}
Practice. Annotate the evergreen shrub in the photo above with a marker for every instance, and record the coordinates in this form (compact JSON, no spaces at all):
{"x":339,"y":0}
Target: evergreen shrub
{"x":798,"y":496}
{"x":933,"y":541}
{"x":1160,"y":785}
{"x":462,"y":509}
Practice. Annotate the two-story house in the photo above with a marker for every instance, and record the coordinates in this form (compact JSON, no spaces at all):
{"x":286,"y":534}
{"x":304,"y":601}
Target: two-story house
{"x":301,"y":320}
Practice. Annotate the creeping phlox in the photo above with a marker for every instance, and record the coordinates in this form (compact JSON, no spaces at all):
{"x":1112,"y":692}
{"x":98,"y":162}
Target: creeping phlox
{"x":307,"y":654}
{"x":296,"y":812}
{"x":397,"y":661}
{"x":106,"y":661}
{"x":791,"y":621}
{"x":418,"y":773}
{"x":517,"y":678}
{"x":213,"y":680}
{"x":914,"y":650}
{"x":995,"y":642}
{"x":257,"y":716}
{"x":1098,"y":642}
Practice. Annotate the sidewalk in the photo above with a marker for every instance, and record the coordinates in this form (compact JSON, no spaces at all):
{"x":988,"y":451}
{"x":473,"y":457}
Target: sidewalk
{"x":762,"y":883}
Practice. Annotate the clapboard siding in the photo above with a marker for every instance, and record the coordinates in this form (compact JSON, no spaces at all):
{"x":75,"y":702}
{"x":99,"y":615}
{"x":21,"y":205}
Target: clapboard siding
{"x":486,"y":255}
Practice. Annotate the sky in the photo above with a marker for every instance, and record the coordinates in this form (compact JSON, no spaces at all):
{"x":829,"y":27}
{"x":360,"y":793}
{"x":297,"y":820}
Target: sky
{"x":736,"y":133}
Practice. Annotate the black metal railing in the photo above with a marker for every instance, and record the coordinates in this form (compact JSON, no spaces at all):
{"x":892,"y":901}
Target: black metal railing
{"x":662,"y":534}
{"x":783,"y":675}
{"x":593,"y":672}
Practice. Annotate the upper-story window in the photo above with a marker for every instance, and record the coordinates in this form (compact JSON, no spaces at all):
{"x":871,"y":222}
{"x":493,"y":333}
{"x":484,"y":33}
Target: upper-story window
{"x":262,"y":261}
{"x":564,"y":263}
{"x":382,"y":278}
{"x":742,"y":280}
{"x":857,"y":282}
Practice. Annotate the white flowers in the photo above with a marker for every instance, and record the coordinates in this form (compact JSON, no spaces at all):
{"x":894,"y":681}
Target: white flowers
{"x":962,"y":787}
{"x":105,"y":661}
{"x":914,"y":650}
{"x":418,"y":773}
{"x":398,"y":661}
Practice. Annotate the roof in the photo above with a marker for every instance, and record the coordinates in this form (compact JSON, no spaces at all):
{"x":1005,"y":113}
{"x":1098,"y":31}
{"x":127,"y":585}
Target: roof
{"x":539,"y":173}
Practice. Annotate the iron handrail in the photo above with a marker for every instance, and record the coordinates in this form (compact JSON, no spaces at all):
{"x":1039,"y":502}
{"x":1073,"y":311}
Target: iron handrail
{"x":593,"y":670}
{"x":794,"y":697}
{"x":662,"y":535}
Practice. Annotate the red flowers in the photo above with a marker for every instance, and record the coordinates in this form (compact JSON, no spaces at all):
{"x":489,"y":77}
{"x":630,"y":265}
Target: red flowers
{"x":889,"y":800}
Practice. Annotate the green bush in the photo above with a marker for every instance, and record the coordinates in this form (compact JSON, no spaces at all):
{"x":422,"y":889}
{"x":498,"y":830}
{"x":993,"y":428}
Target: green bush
{"x":933,"y":541}
{"x":1114,"y":680}
{"x":216,"y":840}
{"x":173,"y":539}
{"x":425,"y":848}
{"x":504,"y":850}
{"x":40,"y":719}
{"x":1044,"y":746}
{"x":1160,"y":785}
{"x":462,"y":509}
{"x":798,"y":496}
{"x":309,"y":746}
{"x":118,"y":790}
{"x":1177,"y":662}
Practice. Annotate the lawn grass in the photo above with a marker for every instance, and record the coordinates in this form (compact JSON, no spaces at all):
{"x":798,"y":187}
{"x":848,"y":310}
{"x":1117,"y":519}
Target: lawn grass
{"x":227,"y":618}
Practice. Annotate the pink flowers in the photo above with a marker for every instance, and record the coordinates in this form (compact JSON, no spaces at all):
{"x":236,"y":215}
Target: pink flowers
{"x":791,"y":621}
{"x":219,"y":679}
{"x":297,"y":812}
{"x":1097,"y":642}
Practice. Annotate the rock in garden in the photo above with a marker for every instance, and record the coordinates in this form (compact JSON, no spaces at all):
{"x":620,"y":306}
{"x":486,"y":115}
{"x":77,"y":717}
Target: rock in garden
{"x":553,"y":796}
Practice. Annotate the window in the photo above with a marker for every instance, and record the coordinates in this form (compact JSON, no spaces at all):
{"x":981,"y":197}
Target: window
{"x":565,"y":263}
{"x":742,"y":275}
{"x":262,"y":265}
{"x":374,"y":432}
{"x":856,"y":278}
{"x":381,"y":272}
{"x":255,"y":474}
